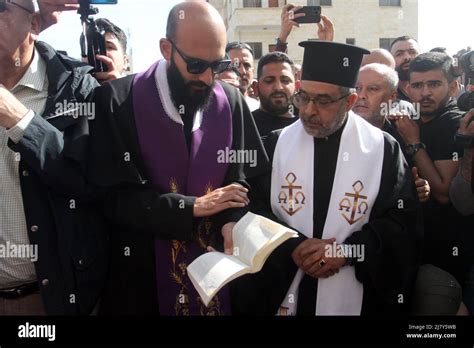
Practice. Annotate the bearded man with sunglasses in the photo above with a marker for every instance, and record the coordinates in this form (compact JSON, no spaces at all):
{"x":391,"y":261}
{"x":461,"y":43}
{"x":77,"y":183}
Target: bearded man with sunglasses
{"x":346,"y":187}
{"x":158,"y":152}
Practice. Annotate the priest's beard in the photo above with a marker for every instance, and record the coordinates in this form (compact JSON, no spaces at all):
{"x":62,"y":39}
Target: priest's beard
{"x":313,"y":124}
{"x":277,"y":109}
{"x":183,"y":95}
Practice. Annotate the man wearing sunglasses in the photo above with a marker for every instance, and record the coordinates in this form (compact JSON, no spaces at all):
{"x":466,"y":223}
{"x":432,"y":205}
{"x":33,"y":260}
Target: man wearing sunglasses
{"x":346,"y":187}
{"x":160,"y":151}
{"x":42,"y":148}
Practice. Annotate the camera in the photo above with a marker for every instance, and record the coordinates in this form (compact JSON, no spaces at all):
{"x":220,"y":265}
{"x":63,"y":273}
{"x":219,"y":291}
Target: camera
{"x":92,"y":41}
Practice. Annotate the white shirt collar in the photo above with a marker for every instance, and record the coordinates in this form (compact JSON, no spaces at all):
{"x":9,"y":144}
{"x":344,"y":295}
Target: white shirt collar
{"x":35,"y":76}
{"x":161,"y":80}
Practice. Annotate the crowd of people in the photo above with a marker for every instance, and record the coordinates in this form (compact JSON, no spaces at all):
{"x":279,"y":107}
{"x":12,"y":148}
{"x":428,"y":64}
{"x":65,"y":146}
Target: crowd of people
{"x":365,"y":153}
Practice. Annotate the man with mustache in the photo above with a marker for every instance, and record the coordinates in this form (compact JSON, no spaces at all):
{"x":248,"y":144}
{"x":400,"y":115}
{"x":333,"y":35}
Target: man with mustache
{"x":241,"y":55}
{"x":430,"y":143}
{"x":404,"y":49}
{"x":341,"y":183}
{"x":276,"y":86}
{"x":155,"y":152}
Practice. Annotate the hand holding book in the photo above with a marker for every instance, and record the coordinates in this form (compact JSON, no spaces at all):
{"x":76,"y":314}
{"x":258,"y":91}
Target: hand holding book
{"x":254,"y":239}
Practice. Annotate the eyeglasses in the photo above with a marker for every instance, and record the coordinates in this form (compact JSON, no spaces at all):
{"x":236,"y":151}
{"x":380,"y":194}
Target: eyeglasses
{"x":302,"y":99}
{"x":198,"y":66}
{"x":3,"y":6}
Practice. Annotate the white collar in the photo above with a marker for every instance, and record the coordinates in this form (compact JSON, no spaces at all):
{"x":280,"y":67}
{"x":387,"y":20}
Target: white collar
{"x":35,"y":76}
{"x":161,"y":79}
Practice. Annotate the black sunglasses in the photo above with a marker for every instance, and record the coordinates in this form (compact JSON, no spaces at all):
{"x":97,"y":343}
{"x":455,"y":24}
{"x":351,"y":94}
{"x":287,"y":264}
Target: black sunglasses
{"x":3,"y":6}
{"x":198,"y":66}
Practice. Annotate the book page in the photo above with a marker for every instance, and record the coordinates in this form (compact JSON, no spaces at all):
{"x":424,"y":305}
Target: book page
{"x":252,"y":234}
{"x":211,"y":271}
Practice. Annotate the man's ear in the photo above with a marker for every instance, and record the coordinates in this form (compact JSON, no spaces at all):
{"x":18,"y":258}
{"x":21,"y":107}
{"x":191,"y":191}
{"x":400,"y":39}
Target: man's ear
{"x":351,"y":100}
{"x":297,"y":85}
{"x":165,"y":48}
{"x":453,"y":88}
{"x":35,"y":26}
{"x":256,"y":91}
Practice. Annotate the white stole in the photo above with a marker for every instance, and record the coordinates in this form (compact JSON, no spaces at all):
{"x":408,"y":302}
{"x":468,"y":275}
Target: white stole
{"x":360,"y":160}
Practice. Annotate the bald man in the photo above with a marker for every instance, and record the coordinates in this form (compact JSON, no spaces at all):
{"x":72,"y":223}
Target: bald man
{"x":61,"y":268}
{"x":380,"y":56}
{"x":172,"y":149}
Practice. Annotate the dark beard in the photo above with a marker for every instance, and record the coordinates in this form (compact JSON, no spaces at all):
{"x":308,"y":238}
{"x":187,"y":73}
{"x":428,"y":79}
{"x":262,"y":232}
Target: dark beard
{"x":403,"y":75}
{"x":183,"y":95}
{"x":272,"y":108}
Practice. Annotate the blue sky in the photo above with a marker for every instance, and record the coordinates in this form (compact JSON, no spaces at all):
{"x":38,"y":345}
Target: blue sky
{"x":441,"y":23}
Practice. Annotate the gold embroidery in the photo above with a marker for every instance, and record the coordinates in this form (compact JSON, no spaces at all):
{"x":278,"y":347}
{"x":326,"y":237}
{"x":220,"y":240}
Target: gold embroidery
{"x":178,"y":274}
{"x":358,"y":204}
{"x":291,"y":199}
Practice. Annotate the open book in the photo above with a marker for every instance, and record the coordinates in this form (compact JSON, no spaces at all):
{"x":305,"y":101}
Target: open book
{"x":254,"y":237}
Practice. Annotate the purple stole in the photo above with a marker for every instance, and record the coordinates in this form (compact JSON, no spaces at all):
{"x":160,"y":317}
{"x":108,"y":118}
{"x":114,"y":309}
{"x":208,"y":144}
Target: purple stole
{"x":171,"y":168}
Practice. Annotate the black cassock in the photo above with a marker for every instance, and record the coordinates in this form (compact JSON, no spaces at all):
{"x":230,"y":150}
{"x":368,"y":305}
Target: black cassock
{"x":136,"y":210}
{"x":392,"y":237}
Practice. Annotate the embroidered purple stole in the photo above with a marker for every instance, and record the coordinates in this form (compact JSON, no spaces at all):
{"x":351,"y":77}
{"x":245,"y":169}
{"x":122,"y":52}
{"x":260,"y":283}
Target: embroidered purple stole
{"x":171,"y":168}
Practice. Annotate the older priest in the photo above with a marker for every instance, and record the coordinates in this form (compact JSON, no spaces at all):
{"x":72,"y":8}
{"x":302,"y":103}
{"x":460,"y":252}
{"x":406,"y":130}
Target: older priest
{"x":155,"y":149}
{"x":346,"y":187}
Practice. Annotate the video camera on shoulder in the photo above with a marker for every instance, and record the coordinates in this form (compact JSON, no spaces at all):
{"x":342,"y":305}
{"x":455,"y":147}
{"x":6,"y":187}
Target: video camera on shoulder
{"x":92,"y":40}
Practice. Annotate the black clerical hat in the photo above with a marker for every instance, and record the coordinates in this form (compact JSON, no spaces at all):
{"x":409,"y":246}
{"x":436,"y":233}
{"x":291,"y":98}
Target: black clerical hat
{"x":331,"y":62}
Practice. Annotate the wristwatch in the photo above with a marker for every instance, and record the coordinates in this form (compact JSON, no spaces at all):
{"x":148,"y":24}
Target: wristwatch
{"x":413,"y":148}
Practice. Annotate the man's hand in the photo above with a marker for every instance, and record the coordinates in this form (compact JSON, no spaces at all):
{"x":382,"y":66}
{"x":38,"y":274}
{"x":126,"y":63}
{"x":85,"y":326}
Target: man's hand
{"x":50,"y":10}
{"x":111,"y":74}
{"x":227,"y":234}
{"x":325,"y":29}
{"x":422,"y":186}
{"x":310,"y":256}
{"x":288,"y":17}
{"x":407,"y":128}
{"x":228,"y":241}
{"x":231,"y":196}
{"x":11,"y":109}
{"x":466,"y":125}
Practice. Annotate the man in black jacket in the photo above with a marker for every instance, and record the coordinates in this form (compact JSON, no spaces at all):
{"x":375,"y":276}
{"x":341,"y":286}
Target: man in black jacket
{"x":54,"y":246}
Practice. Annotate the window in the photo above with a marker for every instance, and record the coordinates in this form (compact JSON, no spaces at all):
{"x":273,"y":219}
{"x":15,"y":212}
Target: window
{"x":257,"y":49}
{"x":319,"y":2}
{"x":252,"y":3}
{"x":276,"y":3}
{"x":386,"y":43}
{"x":390,"y":2}
{"x":351,"y":41}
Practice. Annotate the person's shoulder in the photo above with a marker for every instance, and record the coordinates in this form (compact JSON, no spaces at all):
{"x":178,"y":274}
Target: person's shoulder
{"x":452,"y":115}
{"x":119,"y":88}
{"x":233,"y":94}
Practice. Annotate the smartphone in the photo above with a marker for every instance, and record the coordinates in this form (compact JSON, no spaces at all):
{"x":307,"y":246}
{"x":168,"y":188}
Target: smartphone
{"x":103,"y":2}
{"x":312,"y":14}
